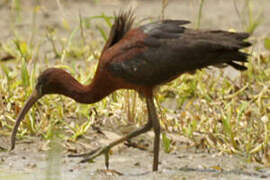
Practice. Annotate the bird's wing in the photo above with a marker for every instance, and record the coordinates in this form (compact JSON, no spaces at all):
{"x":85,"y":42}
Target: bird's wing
{"x":169,"y":49}
{"x":122,"y":24}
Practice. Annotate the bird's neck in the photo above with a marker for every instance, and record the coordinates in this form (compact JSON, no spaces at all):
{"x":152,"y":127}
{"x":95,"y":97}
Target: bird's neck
{"x":87,"y":94}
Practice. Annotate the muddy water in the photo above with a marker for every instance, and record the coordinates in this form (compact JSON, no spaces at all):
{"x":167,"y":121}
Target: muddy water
{"x":31,"y":160}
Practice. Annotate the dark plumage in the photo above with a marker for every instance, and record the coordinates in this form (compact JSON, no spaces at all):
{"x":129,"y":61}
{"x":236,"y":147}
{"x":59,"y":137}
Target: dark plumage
{"x":141,"y":59}
{"x":170,"y":49}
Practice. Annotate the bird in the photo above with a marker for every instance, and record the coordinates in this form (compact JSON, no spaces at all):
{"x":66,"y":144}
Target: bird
{"x":142,"y":58}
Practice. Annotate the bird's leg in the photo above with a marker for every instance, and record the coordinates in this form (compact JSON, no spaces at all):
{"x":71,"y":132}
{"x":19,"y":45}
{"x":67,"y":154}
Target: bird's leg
{"x":105,"y":150}
{"x":152,"y":115}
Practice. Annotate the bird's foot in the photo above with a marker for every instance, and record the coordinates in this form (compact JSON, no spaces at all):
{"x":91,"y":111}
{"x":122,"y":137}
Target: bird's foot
{"x":90,"y":156}
{"x":85,"y":154}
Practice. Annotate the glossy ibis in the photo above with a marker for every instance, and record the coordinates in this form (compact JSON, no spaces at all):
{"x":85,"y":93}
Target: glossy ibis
{"x":142,"y":58}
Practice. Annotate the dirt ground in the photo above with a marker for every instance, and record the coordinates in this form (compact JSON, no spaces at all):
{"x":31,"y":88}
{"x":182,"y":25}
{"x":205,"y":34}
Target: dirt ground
{"x":31,"y":160}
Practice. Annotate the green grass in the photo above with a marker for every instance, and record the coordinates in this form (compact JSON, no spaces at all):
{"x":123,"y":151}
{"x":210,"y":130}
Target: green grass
{"x":214,"y":111}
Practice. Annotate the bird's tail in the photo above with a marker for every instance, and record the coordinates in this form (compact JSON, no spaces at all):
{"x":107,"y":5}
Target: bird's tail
{"x":237,"y":56}
{"x":236,"y":42}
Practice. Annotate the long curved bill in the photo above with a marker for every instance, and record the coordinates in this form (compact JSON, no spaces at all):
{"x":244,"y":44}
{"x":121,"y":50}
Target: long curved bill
{"x":29,"y":103}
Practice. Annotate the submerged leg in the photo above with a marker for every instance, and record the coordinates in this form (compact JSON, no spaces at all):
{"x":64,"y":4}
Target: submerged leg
{"x":155,"y":123}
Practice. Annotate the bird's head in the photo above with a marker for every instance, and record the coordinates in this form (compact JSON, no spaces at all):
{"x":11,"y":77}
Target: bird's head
{"x":49,"y":82}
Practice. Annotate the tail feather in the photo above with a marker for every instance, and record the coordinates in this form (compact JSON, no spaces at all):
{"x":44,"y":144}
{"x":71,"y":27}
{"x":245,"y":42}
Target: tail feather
{"x":241,"y":36}
{"x":238,"y":56}
{"x":234,"y":35}
{"x":230,"y":40}
{"x":236,"y":44}
{"x":237,"y":66}
{"x":244,"y":44}
{"x":236,"y":41}
{"x":234,"y":56}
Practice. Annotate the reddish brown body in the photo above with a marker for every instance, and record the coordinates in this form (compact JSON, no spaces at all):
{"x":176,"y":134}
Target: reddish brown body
{"x":134,"y":36}
{"x":140,"y":59}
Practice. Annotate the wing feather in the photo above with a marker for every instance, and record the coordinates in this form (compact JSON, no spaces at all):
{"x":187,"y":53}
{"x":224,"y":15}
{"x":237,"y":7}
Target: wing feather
{"x":170,"y":49}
